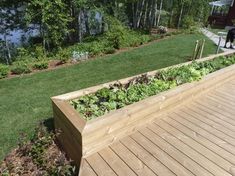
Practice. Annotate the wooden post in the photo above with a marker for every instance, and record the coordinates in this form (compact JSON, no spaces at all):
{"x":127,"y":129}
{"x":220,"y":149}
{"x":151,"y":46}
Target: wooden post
{"x":202,"y":48}
{"x":195,"y":50}
{"x":198,"y":49}
{"x":218,"y":47}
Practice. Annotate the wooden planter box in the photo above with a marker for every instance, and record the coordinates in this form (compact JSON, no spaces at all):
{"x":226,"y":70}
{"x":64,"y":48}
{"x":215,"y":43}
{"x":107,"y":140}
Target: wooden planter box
{"x":80,"y":138}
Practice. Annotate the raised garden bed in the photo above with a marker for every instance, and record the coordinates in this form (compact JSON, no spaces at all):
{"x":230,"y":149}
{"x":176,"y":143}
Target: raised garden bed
{"x":80,"y":137}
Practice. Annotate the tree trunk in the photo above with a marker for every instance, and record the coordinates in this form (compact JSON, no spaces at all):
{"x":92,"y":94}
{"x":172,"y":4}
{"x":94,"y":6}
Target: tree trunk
{"x":171,"y":17}
{"x":74,"y":34}
{"x":180,"y":17}
{"x":8,"y":58}
{"x":160,"y":11}
{"x":154,"y":4}
{"x":133,"y":15}
{"x":79,"y":19}
{"x":145,"y":14}
{"x":155,"y":16}
{"x":102,"y":24}
{"x":135,"y":8}
{"x":150,"y":15}
{"x":140,"y":14}
{"x":86,"y":19}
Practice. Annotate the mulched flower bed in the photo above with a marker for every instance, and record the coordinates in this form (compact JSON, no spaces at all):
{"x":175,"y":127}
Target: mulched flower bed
{"x":40,"y":156}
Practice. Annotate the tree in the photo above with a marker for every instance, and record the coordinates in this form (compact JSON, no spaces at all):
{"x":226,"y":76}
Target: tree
{"x":160,"y":11}
{"x":10,"y":19}
{"x":53,"y":19}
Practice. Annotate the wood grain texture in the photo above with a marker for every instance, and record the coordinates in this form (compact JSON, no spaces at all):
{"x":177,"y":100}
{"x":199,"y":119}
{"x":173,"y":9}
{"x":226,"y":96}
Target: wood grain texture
{"x":113,"y":126}
{"x":81,"y":138}
{"x":187,"y":140}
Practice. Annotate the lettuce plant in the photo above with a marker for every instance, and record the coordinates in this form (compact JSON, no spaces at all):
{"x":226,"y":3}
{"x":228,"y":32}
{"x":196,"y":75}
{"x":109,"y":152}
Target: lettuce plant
{"x":118,"y":95}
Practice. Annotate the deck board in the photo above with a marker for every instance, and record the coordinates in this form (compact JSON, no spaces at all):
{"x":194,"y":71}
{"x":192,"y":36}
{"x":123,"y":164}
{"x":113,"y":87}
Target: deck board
{"x":195,"y":145}
{"x":131,"y":160}
{"x":148,"y":159}
{"x":196,"y":139}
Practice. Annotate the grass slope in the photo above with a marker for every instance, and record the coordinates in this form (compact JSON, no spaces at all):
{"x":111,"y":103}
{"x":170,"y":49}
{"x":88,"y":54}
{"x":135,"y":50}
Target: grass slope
{"x":24,"y":101}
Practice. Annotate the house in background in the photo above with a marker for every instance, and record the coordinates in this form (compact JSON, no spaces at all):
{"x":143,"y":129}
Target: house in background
{"x":222,"y":13}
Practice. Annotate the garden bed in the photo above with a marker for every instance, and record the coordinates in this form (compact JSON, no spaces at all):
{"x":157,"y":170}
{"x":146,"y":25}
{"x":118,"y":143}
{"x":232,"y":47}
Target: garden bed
{"x":80,"y":137}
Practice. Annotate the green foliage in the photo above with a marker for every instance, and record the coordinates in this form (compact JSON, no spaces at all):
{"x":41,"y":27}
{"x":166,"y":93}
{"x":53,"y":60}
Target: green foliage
{"x":5,"y":174}
{"x":118,"y":95}
{"x":24,"y":54}
{"x":117,"y":37}
{"x":20,"y":67}
{"x":53,"y":18}
{"x":37,"y":52}
{"x":41,"y":141}
{"x":40,"y":65}
{"x":64,"y":55}
{"x":188,"y":22}
{"x":116,"y":33}
{"x":4,"y":70}
{"x":109,"y":50}
{"x":181,"y":75}
{"x":39,"y":155}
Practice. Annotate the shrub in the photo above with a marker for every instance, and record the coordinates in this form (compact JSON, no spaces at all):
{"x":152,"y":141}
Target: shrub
{"x":20,"y":67}
{"x":64,"y":56}
{"x":38,"y":52}
{"x":116,"y":37}
{"x":23,"y":54}
{"x":41,"y":65}
{"x":95,"y":48}
{"x":188,"y":22}
{"x":109,"y":50}
{"x":4,"y":69}
{"x":145,"y":38}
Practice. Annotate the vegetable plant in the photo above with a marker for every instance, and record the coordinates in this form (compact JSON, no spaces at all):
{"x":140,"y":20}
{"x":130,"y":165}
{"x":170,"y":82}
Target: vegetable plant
{"x":119,"y":95}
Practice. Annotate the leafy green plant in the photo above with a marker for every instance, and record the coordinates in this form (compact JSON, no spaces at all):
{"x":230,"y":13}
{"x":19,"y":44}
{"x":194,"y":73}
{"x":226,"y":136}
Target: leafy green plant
{"x":64,"y":56}
{"x":41,"y":65}
{"x":117,"y":96}
{"x":109,"y":50}
{"x":39,"y":155}
{"x":37,"y":52}
{"x":4,"y":70}
{"x":188,"y":22}
{"x":20,"y":67}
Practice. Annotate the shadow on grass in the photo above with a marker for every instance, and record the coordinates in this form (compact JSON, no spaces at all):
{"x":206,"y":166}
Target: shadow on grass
{"x":49,"y":124}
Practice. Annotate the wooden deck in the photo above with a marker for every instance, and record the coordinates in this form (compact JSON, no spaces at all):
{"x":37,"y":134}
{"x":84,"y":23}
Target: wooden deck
{"x":195,"y":139}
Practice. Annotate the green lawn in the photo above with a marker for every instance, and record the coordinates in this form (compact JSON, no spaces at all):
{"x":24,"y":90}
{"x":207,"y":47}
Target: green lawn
{"x":24,"y":101}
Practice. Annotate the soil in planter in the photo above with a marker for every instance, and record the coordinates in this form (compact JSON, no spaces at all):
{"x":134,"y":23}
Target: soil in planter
{"x":120,"y":95}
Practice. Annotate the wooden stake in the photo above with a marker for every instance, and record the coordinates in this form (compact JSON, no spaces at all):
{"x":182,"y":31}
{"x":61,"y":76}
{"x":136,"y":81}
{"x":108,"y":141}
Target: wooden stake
{"x":195,"y":50}
{"x":217,"y":51}
{"x":198,"y":49}
{"x":202,"y":48}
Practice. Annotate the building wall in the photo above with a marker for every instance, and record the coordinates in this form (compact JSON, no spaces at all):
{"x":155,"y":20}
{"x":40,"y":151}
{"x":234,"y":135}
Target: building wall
{"x":231,"y":15}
